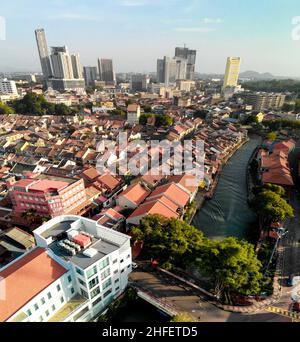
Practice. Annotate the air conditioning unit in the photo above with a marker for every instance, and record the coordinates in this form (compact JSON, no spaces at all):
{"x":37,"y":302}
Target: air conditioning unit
{"x":90,"y":252}
{"x":72,"y":234}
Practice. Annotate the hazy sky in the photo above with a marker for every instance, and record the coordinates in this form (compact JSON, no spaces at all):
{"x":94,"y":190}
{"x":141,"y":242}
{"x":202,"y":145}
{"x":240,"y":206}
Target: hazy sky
{"x":137,"y":32}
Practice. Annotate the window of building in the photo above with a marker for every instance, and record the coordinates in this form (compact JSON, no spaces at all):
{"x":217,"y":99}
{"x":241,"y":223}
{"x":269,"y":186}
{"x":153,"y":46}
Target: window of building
{"x":72,"y":290}
{"x":41,"y":318}
{"x":107,"y":293}
{"x":105,"y":274}
{"x":91,"y":272}
{"x":116,"y":281}
{"x":116,"y":271}
{"x":122,"y":271}
{"x":122,"y":260}
{"x":84,"y":293}
{"x":62,"y":299}
{"x":29,"y":313}
{"x":107,"y":284}
{"x":43,"y":301}
{"x":115,"y":261}
{"x":117,"y":289}
{"x":82,"y":282}
{"x":128,"y":256}
{"x":70,"y":278}
{"x":53,"y":307}
{"x":81,"y":313}
{"x":36,"y":307}
{"x":58,"y":287}
{"x":47,"y":313}
{"x":79,"y":271}
{"x":49,"y":295}
{"x":97,"y":301}
{"x":104,"y":263}
{"x":93,"y":283}
{"x":95,"y":292}
{"x":128,"y":266}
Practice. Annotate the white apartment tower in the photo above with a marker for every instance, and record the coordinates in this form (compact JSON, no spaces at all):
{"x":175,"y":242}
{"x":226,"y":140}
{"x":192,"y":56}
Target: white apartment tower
{"x":43,"y":53}
{"x":8,"y":87}
{"x":76,"y":65}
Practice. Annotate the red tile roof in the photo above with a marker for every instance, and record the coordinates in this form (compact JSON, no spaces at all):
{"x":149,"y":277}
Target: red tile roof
{"x":136,"y":193}
{"x":158,"y":207}
{"x":109,"y":181}
{"x":173,"y":192}
{"x":90,"y":174}
{"x":26,"y":278}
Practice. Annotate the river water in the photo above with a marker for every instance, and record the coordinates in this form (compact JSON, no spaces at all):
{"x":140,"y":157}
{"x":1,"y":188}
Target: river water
{"x":228,"y":213}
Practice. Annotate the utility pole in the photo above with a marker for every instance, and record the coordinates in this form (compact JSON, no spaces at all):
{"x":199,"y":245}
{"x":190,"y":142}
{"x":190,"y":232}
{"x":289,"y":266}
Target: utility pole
{"x":282,"y":232}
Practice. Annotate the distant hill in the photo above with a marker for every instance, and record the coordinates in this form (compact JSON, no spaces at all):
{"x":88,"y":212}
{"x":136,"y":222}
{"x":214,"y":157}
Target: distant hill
{"x":253,"y":75}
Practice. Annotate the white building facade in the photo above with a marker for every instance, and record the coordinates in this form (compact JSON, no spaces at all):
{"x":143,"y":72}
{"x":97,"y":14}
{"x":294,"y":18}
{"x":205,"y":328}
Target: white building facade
{"x":94,"y":263}
{"x":8,"y":87}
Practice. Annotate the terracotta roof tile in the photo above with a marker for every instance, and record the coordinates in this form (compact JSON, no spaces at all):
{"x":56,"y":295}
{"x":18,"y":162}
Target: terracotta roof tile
{"x":26,"y":278}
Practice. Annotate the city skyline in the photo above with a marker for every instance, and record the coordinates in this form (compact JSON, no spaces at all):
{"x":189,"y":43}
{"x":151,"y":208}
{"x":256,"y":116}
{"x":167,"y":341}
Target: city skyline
{"x":216,"y":30}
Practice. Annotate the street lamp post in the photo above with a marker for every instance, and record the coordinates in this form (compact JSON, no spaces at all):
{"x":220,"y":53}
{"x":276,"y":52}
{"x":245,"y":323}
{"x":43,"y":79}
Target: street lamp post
{"x":282,"y":232}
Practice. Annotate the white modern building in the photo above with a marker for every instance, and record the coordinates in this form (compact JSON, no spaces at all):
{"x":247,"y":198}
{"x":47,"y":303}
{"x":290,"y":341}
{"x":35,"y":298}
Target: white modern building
{"x":8,"y":87}
{"x":77,"y":269}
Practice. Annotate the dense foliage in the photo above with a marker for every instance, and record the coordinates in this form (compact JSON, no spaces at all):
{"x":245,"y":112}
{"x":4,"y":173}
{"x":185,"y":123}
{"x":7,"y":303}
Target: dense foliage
{"x":231,"y":265}
{"x":288,"y":85}
{"x":183,"y":317}
{"x":170,"y":241}
{"x":272,"y":136}
{"x":270,"y":205}
{"x":5,"y":109}
{"x":34,"y":104}
{"x":161,"y":120}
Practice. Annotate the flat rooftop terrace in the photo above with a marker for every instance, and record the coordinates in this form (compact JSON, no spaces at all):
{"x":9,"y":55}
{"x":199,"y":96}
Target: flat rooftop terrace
{"x":57,"y":178}
{"x":57,"y":229}
{"x":102,"y":247}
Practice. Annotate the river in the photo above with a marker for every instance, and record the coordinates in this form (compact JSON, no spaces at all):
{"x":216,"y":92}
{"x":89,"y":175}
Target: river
{"x":228,"y":213}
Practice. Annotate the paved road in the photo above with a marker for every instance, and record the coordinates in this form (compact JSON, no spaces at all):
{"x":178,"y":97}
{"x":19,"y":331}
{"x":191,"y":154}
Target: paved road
{"x":184,"y":299}
{"x":291,"y":254}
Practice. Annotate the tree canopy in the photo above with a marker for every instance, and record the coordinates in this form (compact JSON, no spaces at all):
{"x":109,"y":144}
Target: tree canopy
{"x":170,"y":241}
{"x":271,"y":206}
{"x":161,"y":120}
{"x":5,"y":109}
{"x":183,"y":317}
{"x":287,"y":85}
{"x":272,"y":136}
{"x":34,"y":104}
{"x":231,"y":265}
{"x":279,"y":190}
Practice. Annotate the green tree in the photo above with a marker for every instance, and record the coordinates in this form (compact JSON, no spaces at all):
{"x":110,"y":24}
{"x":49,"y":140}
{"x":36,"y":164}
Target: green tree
{"x":163,"y":121}
{"x":183,"y":317}
{"x":272,"y":136}
{"x":201,"y":114}
{"x":287,"y":107}
{"x":231,"y":265}
{"x":279,"y":190}
{"x":144,"y":118}
{"x":147,"y":109}
{"x":271,"y":207}
{"x":5,"y":109}
{"x":297,"y":106}
{"x":170,"y":241}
